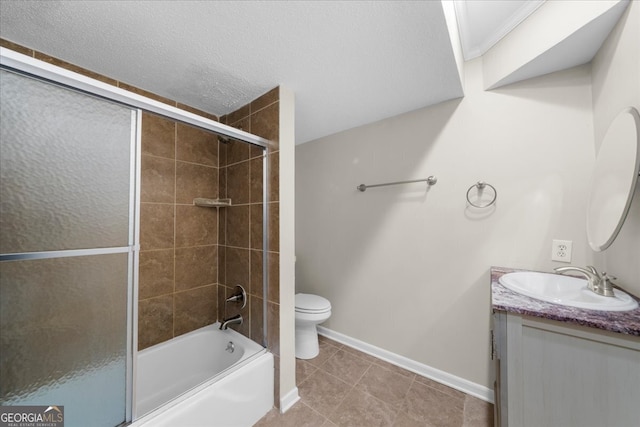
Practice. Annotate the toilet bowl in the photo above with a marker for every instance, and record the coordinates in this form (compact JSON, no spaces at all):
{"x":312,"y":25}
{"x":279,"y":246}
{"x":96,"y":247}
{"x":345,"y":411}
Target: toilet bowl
{"x":311,"y":310}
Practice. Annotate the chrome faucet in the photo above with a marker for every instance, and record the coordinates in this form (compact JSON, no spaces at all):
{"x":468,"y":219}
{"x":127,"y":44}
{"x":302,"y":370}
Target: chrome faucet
{"x":235,"y":320}
{"x":596,"y":282}
{"x":240,"y":297}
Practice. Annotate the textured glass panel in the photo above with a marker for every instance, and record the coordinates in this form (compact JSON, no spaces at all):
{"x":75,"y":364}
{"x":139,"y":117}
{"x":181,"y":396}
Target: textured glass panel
{"x":63,"y":336}
{"x":64,"y":168}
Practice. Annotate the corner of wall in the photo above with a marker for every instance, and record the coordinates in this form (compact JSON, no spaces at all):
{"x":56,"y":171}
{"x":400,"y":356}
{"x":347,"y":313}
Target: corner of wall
{"x":454,"y":37}
{"x":615,"y":85}
{"x":557,"y":36}
{"x":287,"y":249}
{"x":615,"y":71}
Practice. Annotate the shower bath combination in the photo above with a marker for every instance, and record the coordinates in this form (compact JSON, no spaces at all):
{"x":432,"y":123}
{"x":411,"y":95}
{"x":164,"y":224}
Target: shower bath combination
{"x":69,"y":261}
{"x":209,"y":370}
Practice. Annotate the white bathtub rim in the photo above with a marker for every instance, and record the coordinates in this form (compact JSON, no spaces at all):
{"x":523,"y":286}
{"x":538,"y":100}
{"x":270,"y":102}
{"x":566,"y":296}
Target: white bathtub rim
{"x":183,"y":337}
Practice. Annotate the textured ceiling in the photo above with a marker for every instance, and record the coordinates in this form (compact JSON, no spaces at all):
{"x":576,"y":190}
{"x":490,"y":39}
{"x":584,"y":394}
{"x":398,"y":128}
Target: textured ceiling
{"x":349,"y":62}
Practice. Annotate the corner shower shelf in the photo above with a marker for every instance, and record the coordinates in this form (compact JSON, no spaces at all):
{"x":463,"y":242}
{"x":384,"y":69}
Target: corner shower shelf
{"x":212,"y":203}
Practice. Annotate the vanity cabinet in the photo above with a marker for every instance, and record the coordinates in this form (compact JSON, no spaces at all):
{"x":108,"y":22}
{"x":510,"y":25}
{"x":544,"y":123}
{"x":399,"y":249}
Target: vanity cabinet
{"x":558,"y":374}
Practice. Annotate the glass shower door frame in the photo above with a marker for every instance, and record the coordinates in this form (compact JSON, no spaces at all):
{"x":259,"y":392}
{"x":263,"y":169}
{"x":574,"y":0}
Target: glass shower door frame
{"x":27,"y":65}
{"x":132,"y":248}
{"x":134,"y":261}
{"x":17,"y":61}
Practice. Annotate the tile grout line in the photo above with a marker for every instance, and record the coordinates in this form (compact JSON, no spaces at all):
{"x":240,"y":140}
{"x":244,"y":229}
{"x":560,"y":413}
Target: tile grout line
{"x":317,"y":369}
{"x":363,"y":374}
{"x":334,"y":410}
{"x":376,"y":361}
{"x":317,"y":412}
{"x":396,"y":408}
{"x":351,"y":387}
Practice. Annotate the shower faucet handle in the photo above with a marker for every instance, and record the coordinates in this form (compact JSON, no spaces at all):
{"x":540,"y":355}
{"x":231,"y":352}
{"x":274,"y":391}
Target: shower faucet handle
{"x":240,"y":297}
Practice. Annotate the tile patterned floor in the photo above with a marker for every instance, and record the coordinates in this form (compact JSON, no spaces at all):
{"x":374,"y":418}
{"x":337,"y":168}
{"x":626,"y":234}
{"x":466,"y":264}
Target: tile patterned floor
{"x":347,"y":388}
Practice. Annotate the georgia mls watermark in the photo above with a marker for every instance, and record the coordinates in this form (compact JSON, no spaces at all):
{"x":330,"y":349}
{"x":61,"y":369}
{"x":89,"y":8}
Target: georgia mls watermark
{"x":32,"y":416}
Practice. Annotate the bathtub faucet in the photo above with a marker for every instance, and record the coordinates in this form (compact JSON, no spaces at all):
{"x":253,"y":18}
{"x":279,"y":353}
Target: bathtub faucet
{"x":235,"y":320}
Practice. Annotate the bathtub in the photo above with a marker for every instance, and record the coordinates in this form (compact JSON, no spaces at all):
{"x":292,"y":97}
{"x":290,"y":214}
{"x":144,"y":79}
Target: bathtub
{"x":208,"y":377}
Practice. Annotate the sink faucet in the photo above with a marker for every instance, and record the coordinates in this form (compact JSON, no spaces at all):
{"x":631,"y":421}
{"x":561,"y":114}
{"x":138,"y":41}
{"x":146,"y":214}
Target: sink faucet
{"x":235,"y":320}
{"x":596,"y":282}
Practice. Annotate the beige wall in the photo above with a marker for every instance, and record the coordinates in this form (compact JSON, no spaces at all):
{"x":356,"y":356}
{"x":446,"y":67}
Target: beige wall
{"x":407,"y":269}
{"x":288,"y":391}
{"x":616,"y":85}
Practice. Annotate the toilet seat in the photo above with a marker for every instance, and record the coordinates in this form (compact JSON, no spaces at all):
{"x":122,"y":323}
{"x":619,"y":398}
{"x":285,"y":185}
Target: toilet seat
{"x":308,"y":303}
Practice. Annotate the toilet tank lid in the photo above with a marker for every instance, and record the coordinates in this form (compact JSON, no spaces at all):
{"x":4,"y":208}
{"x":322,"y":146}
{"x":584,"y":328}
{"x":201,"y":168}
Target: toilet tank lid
{"x":312,"y":302}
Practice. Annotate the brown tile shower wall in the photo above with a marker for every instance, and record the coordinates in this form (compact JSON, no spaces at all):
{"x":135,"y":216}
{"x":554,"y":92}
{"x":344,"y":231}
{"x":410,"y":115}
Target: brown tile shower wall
{"x":241,"y":231}
{"x":178,"y":275}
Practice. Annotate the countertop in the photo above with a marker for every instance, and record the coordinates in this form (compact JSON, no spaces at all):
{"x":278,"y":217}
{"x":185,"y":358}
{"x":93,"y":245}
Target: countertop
{"x":503,"y":299}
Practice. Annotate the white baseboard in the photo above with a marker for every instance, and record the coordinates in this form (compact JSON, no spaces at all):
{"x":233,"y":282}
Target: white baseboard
{"x":450,"y":380}
{"x":289,"y":400}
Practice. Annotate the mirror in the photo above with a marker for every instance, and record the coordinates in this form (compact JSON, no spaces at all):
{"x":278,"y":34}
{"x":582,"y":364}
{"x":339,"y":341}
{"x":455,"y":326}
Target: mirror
{"x":614,"y":179}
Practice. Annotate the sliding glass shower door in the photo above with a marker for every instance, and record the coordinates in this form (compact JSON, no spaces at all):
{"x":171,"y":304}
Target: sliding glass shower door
{"x":67,"y":200}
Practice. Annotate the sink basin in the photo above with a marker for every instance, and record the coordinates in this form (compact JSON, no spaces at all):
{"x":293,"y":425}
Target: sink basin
{"x":565,"y":290}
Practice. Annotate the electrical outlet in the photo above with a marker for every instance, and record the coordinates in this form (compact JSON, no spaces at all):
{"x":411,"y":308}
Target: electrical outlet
{"x":561,"y":250}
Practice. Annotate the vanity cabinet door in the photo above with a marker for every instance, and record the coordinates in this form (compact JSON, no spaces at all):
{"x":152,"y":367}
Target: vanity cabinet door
{"x":561,"y":375}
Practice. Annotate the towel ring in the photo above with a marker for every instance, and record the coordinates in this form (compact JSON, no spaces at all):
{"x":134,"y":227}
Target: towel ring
{"x":480,"y":185}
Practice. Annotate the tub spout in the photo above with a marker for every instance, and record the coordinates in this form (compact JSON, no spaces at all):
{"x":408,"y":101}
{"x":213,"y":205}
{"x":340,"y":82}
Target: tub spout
{"x":235,"y":320}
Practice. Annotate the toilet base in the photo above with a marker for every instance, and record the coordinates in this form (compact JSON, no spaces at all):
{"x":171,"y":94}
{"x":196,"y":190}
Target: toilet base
{"x":307,"y":346}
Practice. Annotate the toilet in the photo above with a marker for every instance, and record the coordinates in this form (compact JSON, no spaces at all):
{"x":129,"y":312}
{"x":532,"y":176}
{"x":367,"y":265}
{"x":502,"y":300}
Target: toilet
{"x":311,"y":310}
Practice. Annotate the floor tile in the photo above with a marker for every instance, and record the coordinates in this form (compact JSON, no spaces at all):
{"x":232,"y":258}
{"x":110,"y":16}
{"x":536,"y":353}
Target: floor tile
{"x":403,"y":420}
{"x":372,"y":359}
{"x":428,"y":405}
{"x":344,"y":387}
{"x":393,"y":368}
{"x":477,"y":413}
{"x":303,"y":370}
{"x":329,"y":340}
{"x":385,"y":385}
{"x":365,"y":356}
{"x":346,"y":366}
{"x":440,"y":387}
{"x":323,"y":392}
{"x":326,"y":351}
{"x":360,"y":409}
